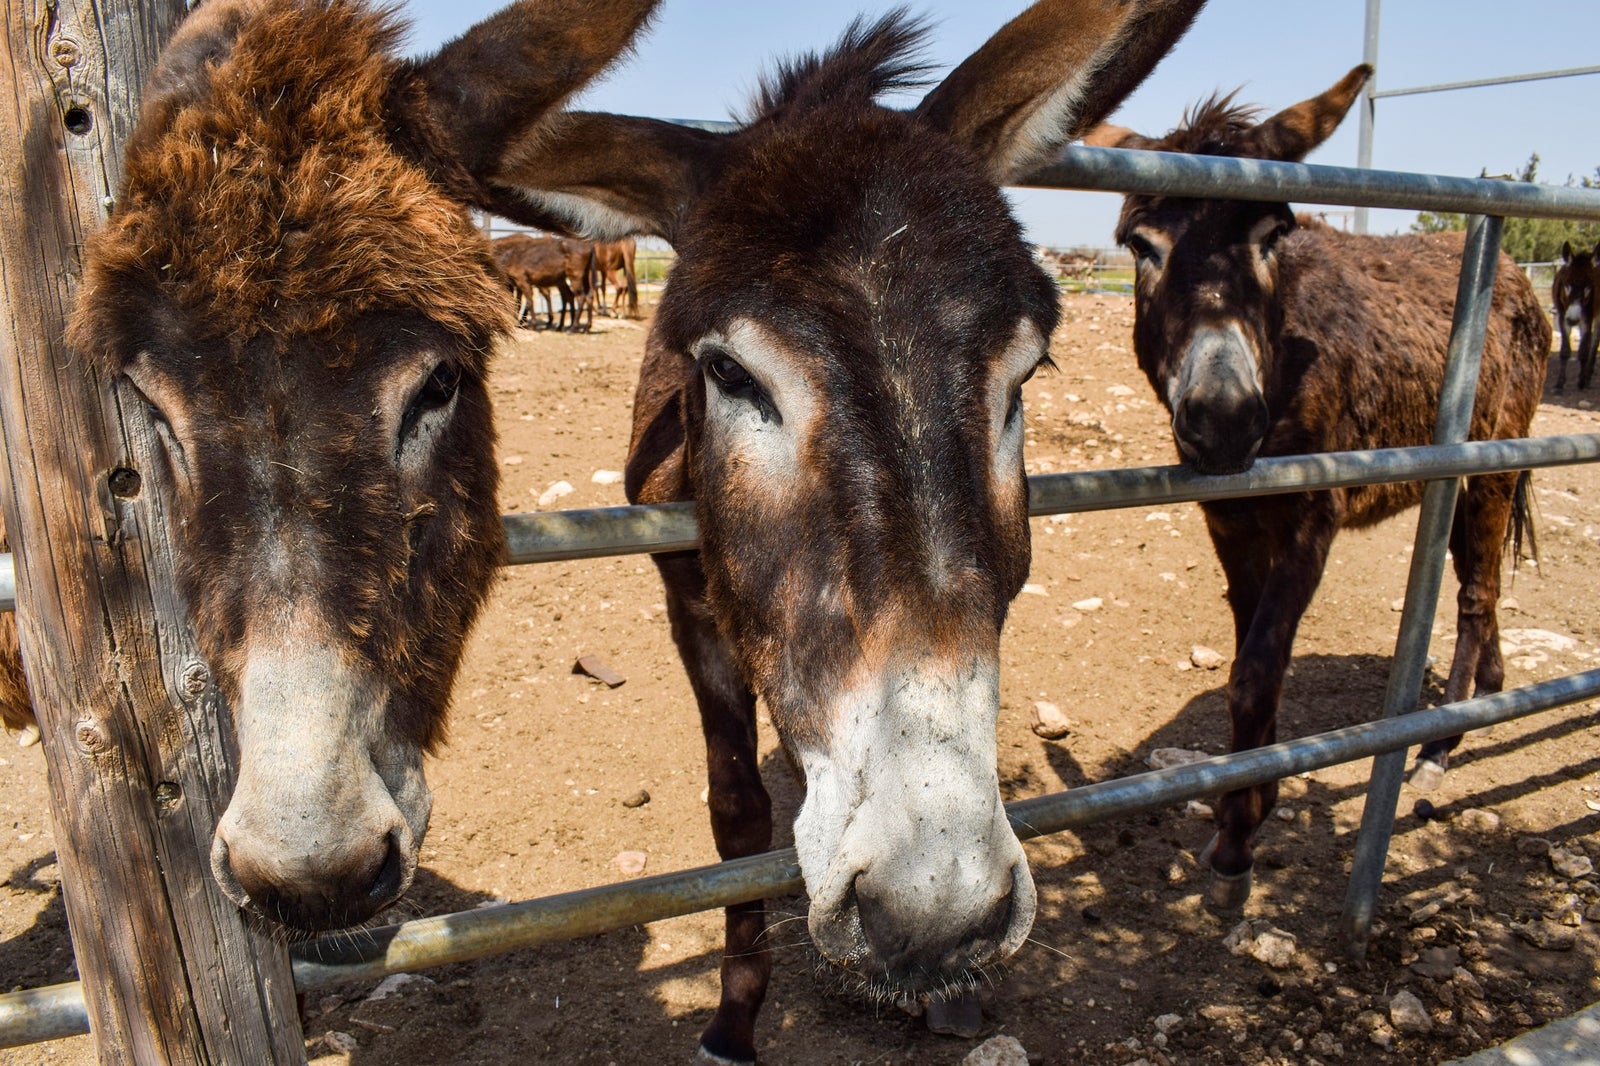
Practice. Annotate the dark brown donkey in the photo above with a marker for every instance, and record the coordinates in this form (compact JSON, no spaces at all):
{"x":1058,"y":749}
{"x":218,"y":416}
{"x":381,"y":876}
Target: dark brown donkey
{"x":834,"y":376}
{"x":535,"y":265}
{"x":613,"y":258}
{"x":293,"y":298}
{"x":1268,"y":335}
{"x":1573,"y":292}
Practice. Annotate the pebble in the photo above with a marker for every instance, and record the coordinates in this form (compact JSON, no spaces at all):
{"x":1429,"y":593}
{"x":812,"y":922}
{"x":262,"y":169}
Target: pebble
{"x":1533,"y":846}
{"x":1425,"y":810}
{"x":631,"y":863}
{"x":1408,"y":1015}
{"x":1091,"y":915}
{"x":1093,"y":603}
{"x":29,"y":736}
{"x":1049,"y":722}
{"x":1162,"y":758}
{"x":997,"y":1051}
{"x":1593,"y":913}
{"x":638,"y":799}
{"x":607,"y":477}
{"x":395,"y":984}
{"x":1571,"y":864}
{"x":1547,"y":936}
{"x":1034,"y":590}
{"x":1478,"y":820}
{"x":1437,"y":964}
{"x":555,"y":492}
{"x":1258,"y":939}
{"x":1196,"y":809}
{"x":1206,"y":658}
{"x":1167,"y":1023}
{"x":1122,"y":392}
{"x":341,"y":1043}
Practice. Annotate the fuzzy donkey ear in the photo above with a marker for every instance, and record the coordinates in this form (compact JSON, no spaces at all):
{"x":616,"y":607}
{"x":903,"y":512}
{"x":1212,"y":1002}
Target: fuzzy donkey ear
{"x":1049,"y":74}
{"x":503,"y":78}
{"x":604,"y":176}
{"x":1293,"y":132}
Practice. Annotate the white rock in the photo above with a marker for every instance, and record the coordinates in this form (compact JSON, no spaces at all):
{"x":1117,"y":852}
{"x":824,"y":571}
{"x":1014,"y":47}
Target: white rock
{"x":607,"y":477}
{"x":341,"y":1043}
{"x":1120,"y":391}
{"x":632,"y":863}
{"x":1206,"y":658}
{"x":1167,"y":1023}
{"x":1034,"y":590}
{"x":1093,"y":603}
{"x":1513,"y":641}
{"x":1571,"y":864}
{"x":1407,"y":1014}
{"x":1196,"y":809}
{"x":998,"y":1051}
{"x":29,"y":736}
{"x":1049,"y":722}
{"x":1162,"y":758}
{"x":1262,"y":942}
{"x":1158,"y":516}
{"x":554,"y":493}
{"x":1478,"y":820}
{"x":395,"y":984}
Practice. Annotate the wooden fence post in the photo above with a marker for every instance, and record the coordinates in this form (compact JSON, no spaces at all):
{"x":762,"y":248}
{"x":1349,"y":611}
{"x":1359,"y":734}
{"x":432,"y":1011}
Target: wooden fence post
{"x":139,"y":751}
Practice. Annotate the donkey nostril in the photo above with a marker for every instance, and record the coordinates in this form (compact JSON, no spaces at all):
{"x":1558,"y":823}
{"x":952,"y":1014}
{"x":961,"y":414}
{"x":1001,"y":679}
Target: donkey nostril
{"x":391,"y":876}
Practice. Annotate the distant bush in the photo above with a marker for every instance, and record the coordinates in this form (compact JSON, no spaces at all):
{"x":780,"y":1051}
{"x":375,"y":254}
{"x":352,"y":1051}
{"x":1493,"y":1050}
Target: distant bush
{"x":1527,"y":240}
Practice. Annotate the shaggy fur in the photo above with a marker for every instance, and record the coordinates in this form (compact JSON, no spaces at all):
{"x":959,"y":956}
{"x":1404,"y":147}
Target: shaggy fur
{"x":1351,"y":334}
{"x":1573,"y":293}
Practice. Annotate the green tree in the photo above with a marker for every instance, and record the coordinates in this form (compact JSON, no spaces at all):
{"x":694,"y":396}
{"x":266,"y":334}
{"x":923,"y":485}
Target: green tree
{"x":1439,"y":222}
{"x":1527,"y":240}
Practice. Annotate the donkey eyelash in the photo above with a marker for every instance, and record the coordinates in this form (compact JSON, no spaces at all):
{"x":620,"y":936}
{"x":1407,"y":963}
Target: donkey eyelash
{"x":734,"y":381}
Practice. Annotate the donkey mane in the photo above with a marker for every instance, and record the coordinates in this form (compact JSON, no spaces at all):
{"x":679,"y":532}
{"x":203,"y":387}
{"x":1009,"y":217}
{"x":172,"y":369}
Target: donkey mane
{"x":278,"y":148}
{"x":1214,"y":126}
{"x":869,"y":59}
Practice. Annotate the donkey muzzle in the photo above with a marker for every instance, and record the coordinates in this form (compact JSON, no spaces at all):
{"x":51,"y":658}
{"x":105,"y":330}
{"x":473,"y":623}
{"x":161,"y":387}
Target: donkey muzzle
{"x":1219,"y":416}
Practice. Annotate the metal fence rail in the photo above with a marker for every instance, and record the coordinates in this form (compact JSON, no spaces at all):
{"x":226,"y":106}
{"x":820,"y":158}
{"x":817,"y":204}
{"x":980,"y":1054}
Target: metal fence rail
{"x":57,"y":1011}
{"x":45,"y":1013}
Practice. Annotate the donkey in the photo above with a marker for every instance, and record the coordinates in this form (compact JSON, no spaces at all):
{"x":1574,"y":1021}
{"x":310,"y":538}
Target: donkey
{"x":293,"y":300}
{"x":1575,"y":305}
{"x":535,"y":265}
{"x":834,"y":376}
{"x":1270,"y":335}
{"x":613,"y":258}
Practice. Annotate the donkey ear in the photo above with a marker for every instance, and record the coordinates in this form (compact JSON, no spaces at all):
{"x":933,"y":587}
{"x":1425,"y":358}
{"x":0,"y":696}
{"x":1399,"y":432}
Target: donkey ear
{"x":604,"y":176}
{"x":1049,"y":74}
{"x":1293,"y":132}
{"x":500,"y":79}
{"x":1566,"y":251}
{"x":1106,"y":135}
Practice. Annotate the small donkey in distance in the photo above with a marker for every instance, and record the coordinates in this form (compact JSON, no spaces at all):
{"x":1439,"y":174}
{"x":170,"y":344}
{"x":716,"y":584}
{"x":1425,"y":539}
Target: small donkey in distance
{"x":834,"y":376}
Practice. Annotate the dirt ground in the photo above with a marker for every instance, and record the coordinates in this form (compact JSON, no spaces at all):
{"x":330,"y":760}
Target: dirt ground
{"x":1126,"y":964}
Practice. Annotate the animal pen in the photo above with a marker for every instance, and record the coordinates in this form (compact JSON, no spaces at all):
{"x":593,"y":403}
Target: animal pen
{"x":138,"y":743}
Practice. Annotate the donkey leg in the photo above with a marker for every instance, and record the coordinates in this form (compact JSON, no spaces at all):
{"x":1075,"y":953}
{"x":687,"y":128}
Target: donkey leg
{"x":1477,"y":538}
{"x":1586,"y":346}
{"x":741,"y":811}
{"x":1563,"y":331}
{"x":1280,"y":583}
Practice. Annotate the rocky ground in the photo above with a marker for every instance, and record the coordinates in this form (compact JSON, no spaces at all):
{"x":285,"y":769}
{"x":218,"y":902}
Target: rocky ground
{"x":1488,"y":922}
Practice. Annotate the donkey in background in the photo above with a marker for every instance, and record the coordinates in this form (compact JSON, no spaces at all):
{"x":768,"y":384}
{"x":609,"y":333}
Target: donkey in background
{"x":1265,"y":334}
{"x":1573,"y":295}
{"x":292,"y":297}
{"x":834,"y":376}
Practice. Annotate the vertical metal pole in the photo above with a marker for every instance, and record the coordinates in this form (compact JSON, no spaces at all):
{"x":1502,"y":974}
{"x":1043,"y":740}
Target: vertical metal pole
{"x":1369,"y":56}
{"x":1456,"y":398}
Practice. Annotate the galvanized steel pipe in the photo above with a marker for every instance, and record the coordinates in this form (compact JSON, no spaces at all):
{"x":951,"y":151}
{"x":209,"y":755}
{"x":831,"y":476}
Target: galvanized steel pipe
{"x":474,"y":934}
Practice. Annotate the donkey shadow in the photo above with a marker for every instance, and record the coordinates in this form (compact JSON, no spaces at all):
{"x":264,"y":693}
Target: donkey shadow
{"x":1571,"y":398}
{"x":41,"y":954}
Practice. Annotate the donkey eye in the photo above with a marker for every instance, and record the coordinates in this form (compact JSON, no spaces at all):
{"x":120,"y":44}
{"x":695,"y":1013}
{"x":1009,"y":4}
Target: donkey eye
{"x":735,"y":382}
{"x":1142,"y":249}
{"x":440,"y":388}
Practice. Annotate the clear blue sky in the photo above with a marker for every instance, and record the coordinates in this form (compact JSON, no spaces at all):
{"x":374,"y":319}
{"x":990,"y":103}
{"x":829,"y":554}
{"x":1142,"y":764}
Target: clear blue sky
{"x":703,"y":57}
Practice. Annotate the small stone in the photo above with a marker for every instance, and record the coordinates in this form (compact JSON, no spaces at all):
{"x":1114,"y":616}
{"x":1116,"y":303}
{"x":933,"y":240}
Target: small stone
{"x":1397,"y":605}
{"x":998,"y":1051}
{"x":1206,"y":658}
{"x":395,"y":984}
{"x":1408,"y":1015}
{"x":1258,"y":939}
{"x":638,"y":799}
{"x":631,"y":863}
{"x":1166,"y":1023}
{"x":1510,"y":603}
{"x":1196,"y":809}
{"x":1121,"y":392}
{"x":1437,"y":964}
{"x":1091,"y":915}
{"x":1478,"y":820}
{"x":555,"y":492}
{"x":607,"y":477}
{"x":1547,"y":936}
{"x":1035,"y":590}
{"x":1533,"y":846}
{"x":1163,"y":758}
{"x":340,"y":1043}
{"x":1324,"y":1046}
{"x":1090,"y":605}
{"x":29,"y":736}
{"x":329,"y":1004}
{"x":1571,"y":864}
{"x":1127,"y":984}
{"x":1049,"y":722}
{"x":1593,"y":913}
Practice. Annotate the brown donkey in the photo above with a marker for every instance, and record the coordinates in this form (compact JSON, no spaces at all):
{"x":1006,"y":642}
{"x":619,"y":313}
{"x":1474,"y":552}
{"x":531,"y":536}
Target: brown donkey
{"x":292,"y":296}
{"x":1266,"y":334}
{"x":834,"y":376}
{"x":1573,"y":293}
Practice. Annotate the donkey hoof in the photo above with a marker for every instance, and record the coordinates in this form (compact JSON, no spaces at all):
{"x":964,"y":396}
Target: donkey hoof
{"x":1428,"y":775}
{"x":1227,"y":893}
{"x":960,"y":1016}
{"x":709,"y":1058}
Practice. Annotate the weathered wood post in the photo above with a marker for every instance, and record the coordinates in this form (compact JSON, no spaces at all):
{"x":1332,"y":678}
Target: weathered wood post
{"x":140,"y":757}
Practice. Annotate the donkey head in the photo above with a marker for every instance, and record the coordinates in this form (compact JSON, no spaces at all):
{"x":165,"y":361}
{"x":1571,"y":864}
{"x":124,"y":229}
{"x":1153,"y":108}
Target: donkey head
{"x":297,"y":312}
{"x":834,"y":375}
{"x":1575,"y":283}
{"x":1207,"y":315}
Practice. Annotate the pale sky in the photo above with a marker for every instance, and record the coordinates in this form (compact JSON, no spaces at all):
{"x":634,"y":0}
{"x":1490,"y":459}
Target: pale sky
{"x":703,"y":56}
